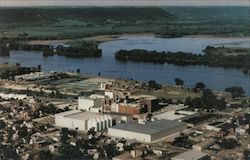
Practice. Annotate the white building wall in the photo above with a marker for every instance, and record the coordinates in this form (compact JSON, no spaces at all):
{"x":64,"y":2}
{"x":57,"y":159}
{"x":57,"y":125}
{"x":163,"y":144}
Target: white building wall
{"x":85,"y":104}
{"x":96,"y":96}
{"x":114,"y":107}
{"x":92,"y":124}
{"x":110,"y":94}
{"x":240,"y":130}
{"x":62,"y":121}
{"x":99,"y":123}
{"x":95,"y":110}
{"x":169,"y":132}
{"x":143,"y":137}
{"x":129,"y":135}
{"x":212,"y":128}
{"x":14,"y":96}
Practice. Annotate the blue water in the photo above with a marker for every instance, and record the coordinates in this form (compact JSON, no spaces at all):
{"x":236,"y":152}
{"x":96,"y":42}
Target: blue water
{"x":214,"y":78}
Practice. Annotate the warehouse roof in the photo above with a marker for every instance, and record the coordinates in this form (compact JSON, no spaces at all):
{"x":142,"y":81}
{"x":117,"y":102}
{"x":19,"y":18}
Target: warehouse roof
{"x":79,"y":115}
{"x":150,"y":127}
{"x":169,"y":115}
{"x":190,"y":155}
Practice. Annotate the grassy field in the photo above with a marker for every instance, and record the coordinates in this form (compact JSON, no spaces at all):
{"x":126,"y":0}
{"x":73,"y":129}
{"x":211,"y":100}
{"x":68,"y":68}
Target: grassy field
{"x":169,"y":92}
{"x":72,"y":23}
{"x":4,"y":67}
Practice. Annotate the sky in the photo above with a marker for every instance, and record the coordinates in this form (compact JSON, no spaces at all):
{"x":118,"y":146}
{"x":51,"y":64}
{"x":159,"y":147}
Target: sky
{"x":124,"y":2}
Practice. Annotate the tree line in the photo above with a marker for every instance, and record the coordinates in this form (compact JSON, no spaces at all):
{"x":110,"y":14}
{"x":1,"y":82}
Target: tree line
{"x":182,"y":58}
{"x":86,"y":49}
{"x":11,"y":73}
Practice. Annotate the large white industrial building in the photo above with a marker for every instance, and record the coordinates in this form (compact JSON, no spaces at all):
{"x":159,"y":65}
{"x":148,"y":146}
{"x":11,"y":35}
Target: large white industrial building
{"x":83,"y":121}
{"x":148,"y":132}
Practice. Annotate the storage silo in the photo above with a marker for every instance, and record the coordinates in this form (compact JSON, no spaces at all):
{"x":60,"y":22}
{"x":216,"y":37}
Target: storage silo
{"x":109,"y":121}
{"x":99,"y":124}
{"x":106,"y":122}
{"x":92,"y":124}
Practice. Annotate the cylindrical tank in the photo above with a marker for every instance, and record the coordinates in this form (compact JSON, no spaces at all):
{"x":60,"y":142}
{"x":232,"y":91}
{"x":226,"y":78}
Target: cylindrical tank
{"x":109,"y":121}
{"x":99,"y":125}
{"x":106,"y":120}
{"x":92,"y":123}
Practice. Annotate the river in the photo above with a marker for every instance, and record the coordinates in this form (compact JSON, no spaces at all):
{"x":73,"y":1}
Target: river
{"x":215,"y":78}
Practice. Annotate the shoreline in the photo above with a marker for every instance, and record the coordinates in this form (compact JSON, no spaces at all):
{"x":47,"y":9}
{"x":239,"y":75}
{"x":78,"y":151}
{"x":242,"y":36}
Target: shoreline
{"x":99,"y":38}
{"x":217,"y":36}
{"x":106,"y":38}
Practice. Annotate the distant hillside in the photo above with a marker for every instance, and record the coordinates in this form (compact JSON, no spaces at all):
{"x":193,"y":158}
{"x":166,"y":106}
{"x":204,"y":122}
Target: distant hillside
{"x":210,"y":13}
{"x":71,"y":23}
{"x":50,"y":15}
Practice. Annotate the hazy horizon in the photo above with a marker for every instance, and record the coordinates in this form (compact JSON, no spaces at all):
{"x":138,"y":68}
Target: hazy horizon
{"x":22,"y":3}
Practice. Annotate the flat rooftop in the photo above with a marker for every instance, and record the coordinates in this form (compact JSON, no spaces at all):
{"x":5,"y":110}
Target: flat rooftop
{"x":150,"y":127}
{"x":80,"y":115}
{"x":190,"y":155}
{"x":201,"y":118}
{"x":173,"y":115}
{"x":169,"y":115}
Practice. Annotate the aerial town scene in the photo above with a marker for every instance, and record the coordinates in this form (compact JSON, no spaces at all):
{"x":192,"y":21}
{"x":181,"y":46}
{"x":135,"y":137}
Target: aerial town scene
{"x":124,"y":80}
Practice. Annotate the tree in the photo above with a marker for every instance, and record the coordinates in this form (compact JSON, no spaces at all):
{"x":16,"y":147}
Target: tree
{"x":188,"y":101}
{"x":153,"y":85}
{"x":236,"y":91}
{"x":68,"y":151}
{"x":64,"y":135}
{"x":92,"y":131}
{"x":43,"y":155}
{"x":200,"y":86}
{"x":182,"y":141}
{"x":208,"y":101}
{"x":111,"y":150}
{"x":246,"y":154}
{"x":39,"y":67}
{"x":179,"y":82}
{"x":23,"y":131}
{"x":78,"y":71}
{"x":2,"y":124}
{"x":8,"y":152}
{"x":228,"y":143}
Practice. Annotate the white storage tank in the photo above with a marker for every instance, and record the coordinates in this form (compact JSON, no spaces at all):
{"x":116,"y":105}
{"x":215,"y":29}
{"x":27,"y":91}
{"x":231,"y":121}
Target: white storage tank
{"x":102,"y":123}
{"x":106,"y":122}
{"x":109,"y":121}
{"x":99,"y":125}
{"x":92,"y":124}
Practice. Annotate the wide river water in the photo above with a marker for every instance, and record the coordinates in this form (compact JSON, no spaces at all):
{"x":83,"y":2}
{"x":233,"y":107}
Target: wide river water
{"x":215,"y":78}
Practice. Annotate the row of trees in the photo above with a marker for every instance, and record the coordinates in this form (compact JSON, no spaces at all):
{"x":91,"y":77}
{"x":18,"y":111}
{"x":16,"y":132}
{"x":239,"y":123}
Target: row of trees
{"x":11,"y":73}
{"x":235,"y":91}
{"x":208,"y":101}
{"x":79,"y":151}
{"x":85,"y":49}
{"x":181,"y":58}
{"x":73,"y":51}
